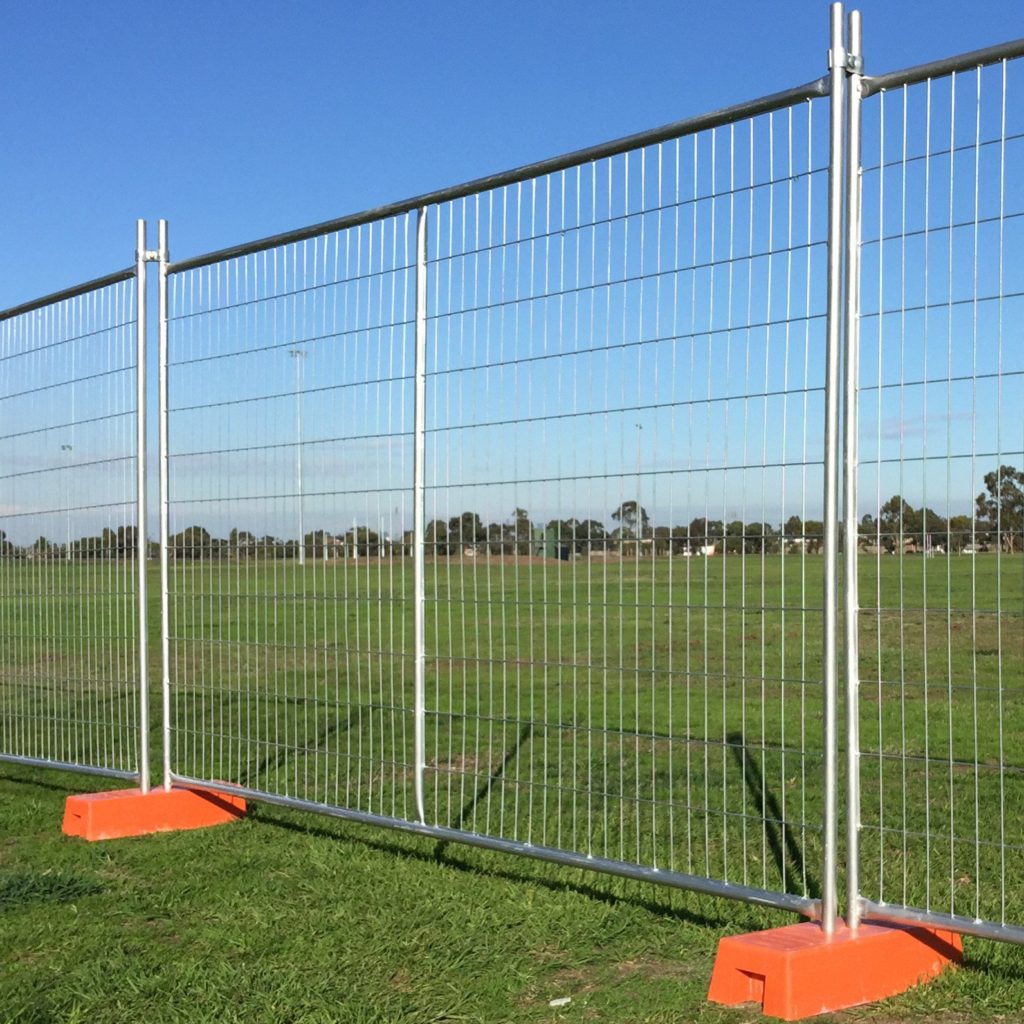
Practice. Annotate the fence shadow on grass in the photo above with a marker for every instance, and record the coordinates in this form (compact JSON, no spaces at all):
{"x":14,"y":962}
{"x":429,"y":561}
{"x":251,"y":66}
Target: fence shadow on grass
{"x":785,"y":848}
{"x":732,"y":915}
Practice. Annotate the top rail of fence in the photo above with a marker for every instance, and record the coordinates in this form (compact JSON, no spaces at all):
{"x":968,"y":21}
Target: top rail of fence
{"x":69,"y":293}
{"x":676,"y":129}
{"x":947,"y":66}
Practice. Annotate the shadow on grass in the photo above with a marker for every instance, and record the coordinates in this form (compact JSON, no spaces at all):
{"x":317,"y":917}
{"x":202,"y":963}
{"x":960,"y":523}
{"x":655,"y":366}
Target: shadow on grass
{"x":786,"y":851}
{"x":266,"y":816}
{"x":526,"y":733}
{"x":43,"y":887}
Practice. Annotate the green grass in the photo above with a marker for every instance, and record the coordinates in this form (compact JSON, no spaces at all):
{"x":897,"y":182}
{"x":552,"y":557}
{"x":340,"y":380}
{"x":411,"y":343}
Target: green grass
{"x":655,"y":712}
{"x":295,"y":917}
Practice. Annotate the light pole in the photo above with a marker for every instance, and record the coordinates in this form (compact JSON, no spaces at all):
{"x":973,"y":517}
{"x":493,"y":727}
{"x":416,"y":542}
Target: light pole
{"x":299,"y":355}
{"x":68,"y":449}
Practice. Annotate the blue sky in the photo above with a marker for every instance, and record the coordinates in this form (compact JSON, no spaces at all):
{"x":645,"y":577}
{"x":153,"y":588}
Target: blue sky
{"x":235,"y":120}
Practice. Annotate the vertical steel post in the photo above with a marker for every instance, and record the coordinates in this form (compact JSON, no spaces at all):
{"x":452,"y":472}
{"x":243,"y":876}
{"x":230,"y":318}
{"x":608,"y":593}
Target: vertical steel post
{"x":837,"y":74}
{"x":419,"y":508}
{"x":140,"y":498}
{"x":851,"y":370}
{"x":165,"y":615}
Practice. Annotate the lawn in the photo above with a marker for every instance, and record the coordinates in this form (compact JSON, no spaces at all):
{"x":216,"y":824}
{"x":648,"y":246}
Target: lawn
{"x":659,"y":712}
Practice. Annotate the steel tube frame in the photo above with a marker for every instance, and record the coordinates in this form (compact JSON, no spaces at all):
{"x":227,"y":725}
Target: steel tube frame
{"x":871,"y":910}
{"x":141,"y":256}
{"x":676,"y":129}
{"x":68,"y":766}
{"x":803,"y":905}
{"x":949,"y":65}
{"x":851,"y":374}
{"x":419,"y":513}
{"x":165,"y":615}
{"x":830,"y":610}
{"x":117,"y":277}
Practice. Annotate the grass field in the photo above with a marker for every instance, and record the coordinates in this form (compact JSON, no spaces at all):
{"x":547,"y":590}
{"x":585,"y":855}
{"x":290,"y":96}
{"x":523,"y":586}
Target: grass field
{"x":658,"y":712}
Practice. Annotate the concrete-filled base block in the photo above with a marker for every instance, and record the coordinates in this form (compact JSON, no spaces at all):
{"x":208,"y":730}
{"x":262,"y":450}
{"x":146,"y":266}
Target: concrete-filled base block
{"x":129,"y":812}
{"x":796,"y":972}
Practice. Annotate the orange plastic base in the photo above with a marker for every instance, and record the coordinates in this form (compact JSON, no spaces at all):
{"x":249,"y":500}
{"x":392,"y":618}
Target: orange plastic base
{"x":127,"y":812}
{"x":795,"y":972}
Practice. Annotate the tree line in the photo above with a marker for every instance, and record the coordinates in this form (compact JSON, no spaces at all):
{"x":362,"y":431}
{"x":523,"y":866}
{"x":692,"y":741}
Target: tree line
{"x":997,"y":523}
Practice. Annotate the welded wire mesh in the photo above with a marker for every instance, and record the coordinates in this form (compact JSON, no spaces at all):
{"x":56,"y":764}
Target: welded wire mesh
{"x":942,"y":495}
{"x":68,"y":615}
{"x":625,"y":406}
{"x":290,"y":465}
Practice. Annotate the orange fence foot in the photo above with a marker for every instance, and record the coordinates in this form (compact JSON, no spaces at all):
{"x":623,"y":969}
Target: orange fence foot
{"x":127,"y":812}
{"x":795,"y":972}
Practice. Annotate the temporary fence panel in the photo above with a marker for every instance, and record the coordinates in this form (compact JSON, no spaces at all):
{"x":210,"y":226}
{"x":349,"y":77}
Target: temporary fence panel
{"x":289,"y":415}
{"x":941,"y":495}
{"x":69,"y":623}
{"x":625,"y":397}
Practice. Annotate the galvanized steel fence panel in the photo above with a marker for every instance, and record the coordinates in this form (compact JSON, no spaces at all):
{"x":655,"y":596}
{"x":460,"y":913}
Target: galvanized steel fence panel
{"x":290,"y":462}
{"x":941,"y":444}
{"x":644,"y":331}
{"x":507,"y":514}
{"x":69,"y":628}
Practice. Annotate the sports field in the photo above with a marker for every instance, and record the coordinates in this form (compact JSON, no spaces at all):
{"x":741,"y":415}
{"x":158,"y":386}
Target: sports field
{"x":658,"y":711}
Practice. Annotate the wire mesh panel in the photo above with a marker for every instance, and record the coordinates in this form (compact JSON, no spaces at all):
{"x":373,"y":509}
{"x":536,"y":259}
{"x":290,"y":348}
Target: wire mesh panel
{"x":625,"y":405}
{"x":68,"y":531}
{"x":942,"y":496}
{"x":290,"y":419}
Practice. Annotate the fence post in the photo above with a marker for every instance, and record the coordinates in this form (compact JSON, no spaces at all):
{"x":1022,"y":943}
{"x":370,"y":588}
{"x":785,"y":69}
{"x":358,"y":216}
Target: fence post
{"x":141,"y":551}
{"x":165,"y":621}
{"x":837,"y":75}
{"x":851,"y":371}
{"x":419,"y":509}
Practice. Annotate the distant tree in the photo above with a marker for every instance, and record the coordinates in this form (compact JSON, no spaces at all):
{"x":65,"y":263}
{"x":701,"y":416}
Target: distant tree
{"x":362,"y":542}
{"x":960,"y":531}
{"x":194,"y":542}
{"x":126,"y":541}
{"x":761,"y":539}
{"x":437,"y":537}
{"x":705,"y":532}
{"x":680,"y":539}
{"x":662,"y":540}
{"x":1001,"y":506}
{"x":523,"y":530}
{"x":315,"y":542}
{"x":793,"y":529}
{"x":6,"y":547}
{"x":464,"y":530}
{"x":591,"y":536}
{"x":814,"y":536}
{"x":242,"y":543}
{"x":895,"y":518}
{"x":734,"y":536}
{"x":633,"y":517}
{"x":42,"y":548}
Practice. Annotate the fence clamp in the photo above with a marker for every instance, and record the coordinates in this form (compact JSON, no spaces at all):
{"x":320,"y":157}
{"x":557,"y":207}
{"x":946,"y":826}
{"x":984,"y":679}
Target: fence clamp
{"x":854,"y":64}
{"x":148,"y":255}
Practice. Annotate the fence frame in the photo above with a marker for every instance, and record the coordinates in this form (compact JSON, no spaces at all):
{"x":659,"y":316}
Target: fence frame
{"x":862,"y":87}
{"x":135,"y":273}
{"x":831,"y":85}
{"x":847,"y":87}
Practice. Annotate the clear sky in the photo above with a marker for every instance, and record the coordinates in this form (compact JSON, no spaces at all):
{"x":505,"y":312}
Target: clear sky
{"x":238,"y":120}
